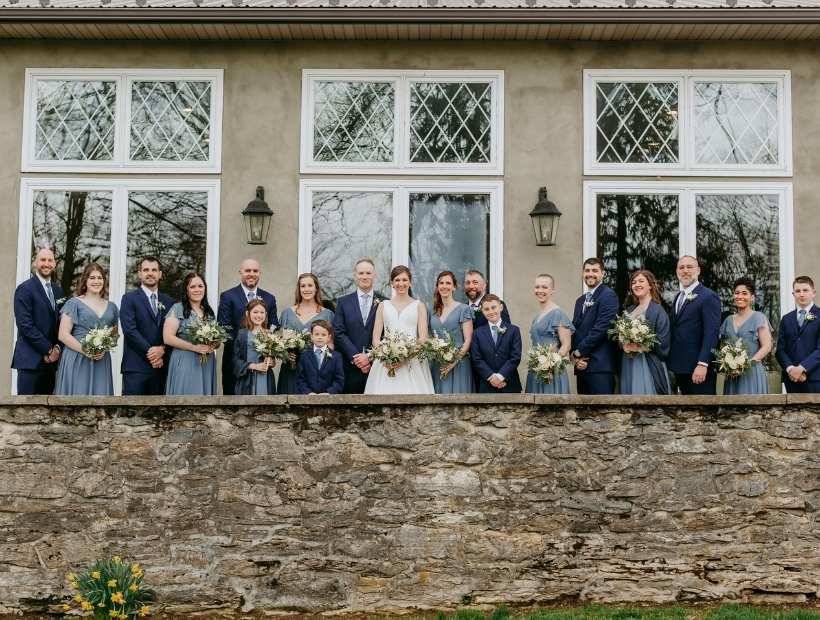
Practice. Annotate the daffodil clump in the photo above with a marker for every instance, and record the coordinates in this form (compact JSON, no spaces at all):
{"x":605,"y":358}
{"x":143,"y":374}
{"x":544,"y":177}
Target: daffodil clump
{"x":110,"y":590}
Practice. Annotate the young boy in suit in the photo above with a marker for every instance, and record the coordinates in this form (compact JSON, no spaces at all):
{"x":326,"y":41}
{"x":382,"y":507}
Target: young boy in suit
{"x":321,"y":369}
{"x":798,"y":343}
{"x":496,"y":351}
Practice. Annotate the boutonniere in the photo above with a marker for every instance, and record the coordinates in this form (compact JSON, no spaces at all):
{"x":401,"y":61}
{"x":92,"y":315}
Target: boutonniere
{"x":61,"y":301}
{"x":691,"y":296}
{"x":502,"y":330}
{"x":589,"y":304}
{"x":327,"y":354}
{"x":160,"y":307}
{"x":376,"y":302}
{"x":809,"y":316}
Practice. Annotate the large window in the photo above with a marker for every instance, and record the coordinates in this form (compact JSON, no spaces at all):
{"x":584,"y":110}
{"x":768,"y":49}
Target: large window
{"x":429,"y":226}
{"x":734,"y":229}
{"x":413,"y":122}
{"x":101,"y":120}
{"x":725,"y":123}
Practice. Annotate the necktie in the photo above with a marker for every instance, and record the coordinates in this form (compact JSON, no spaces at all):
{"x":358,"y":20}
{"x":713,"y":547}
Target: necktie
{"x":154,"y":303}
{"x":494,"y":329}
{"x":587,"y":299}
{"x":50,"y":294}
{"x":364,"y":303}
{"x":318,"y":354}
{"x":251,"y":295}
{"x":681,"y":299}
{"x":801,"y":317}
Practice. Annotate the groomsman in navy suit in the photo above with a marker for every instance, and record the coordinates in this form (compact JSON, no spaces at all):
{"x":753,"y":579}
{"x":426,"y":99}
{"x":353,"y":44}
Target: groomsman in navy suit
{"x":593,"y":354}
{"x":37,"y":315}
{"x":495,"y":352}
{"x":798,"y":343}
{"x":695,"y":327}
{"x":475,"y":288}
{"x":231,"y":310}
{"x":353,"y":324}
{"x":142,"y":315}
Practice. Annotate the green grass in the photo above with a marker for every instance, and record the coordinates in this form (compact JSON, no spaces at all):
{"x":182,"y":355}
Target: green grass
{"x":596,"y":612}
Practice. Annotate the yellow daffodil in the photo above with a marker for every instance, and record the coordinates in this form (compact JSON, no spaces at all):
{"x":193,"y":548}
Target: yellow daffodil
{"x":71,"y":577}
{"x":144,"y":611}
{"x":117,"y":598}
{"x":116,"y":559}
{"x":114,"y":613}
{"x":74,"y":585}
{"x":86,"y":606}
{"x":66,"y":607}
{"x":112,"y":583}
{"x":123,"y":616}
{"x":78,"y":598}
{"x":133,"y":587}
{"x":135,"y":568}
{"x":95,"y":574}
{"x":100,"y":604}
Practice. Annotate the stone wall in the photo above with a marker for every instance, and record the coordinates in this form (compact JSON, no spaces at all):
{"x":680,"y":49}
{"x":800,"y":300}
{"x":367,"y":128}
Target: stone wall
{"x":388,"y":504}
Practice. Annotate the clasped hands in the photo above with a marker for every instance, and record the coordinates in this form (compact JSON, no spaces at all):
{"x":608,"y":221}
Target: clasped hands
{"x":797,"y":374}
{"x":264,"y":366}
{"x":53,"y":355}
{"x":206,"y":349}
{"x":362,"y":362}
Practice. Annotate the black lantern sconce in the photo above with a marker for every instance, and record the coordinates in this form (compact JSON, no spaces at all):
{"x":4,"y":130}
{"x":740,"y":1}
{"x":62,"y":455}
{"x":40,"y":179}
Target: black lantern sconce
{"x":545,"y":218}
{"x":257,"y":217}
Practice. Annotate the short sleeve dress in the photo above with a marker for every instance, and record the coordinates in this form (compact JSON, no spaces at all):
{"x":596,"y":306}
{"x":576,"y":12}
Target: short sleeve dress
{"x":460,"y":379}
{"x":187,"y":373}
{"x":290,"y":320}
{"x":544,"y":331}
{"x":754,"y":380}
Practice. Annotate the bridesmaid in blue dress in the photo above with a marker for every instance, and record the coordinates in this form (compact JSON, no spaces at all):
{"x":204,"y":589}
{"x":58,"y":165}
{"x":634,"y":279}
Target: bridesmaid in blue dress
{"x":449,"y":316}
{"x":254,"y":374}
{"x":306,"y":309}
{"x":186,"y":373}
{"x":551,"y":326}
{"x":754,"y":329}
{"x":643,"y":371}
{"x":79,"y":374}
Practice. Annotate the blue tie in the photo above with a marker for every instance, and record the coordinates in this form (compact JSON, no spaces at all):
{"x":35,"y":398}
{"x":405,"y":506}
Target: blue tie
{"x":801,"y":317}
{"x":251,"y":295}
{"x":154,"y":303}
{"x":318,"y":353}
{"x":587,"y":299}
{"x":50,"y":294}
{"x":494,"y":329}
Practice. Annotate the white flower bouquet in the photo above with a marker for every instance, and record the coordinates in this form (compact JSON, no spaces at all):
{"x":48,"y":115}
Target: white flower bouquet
{"x":545,"y":362}
{"x":266,"y":343}
{"x":290,"y":341}
{"x":206,"y":331}
{"x":395,"y":348}
{"x":100,"y":340}
{"x":732,"y":358}
{"x":442,"y":351}
{"x":628,"y":329}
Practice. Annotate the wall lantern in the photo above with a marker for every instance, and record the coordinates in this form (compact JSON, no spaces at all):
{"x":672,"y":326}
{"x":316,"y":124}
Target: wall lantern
{"x":257,"y":218}
{"x":545,"y":218}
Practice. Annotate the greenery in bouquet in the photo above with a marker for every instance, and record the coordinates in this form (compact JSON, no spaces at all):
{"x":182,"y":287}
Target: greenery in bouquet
{"x":628,"y":329}
{"x":442,"y":351}
{"x":206,"y":331}
{"x":290,"y":341}
{"x":110,"y":589}
{"x":545,"y":362}
{"x":393,"y":349}
{"x":100,"y":340}
{"x":732,"y":358}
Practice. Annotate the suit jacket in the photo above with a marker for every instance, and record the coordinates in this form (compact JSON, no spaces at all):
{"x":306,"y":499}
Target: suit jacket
{"x":37,"y":324}
{"x":590,"y":338}
{"x":240,"y":364}
{"x":142,"y":330}
{"x":480,"y":321}
{"x":503,"y":357}
{"x":695,"y":331}
{"x":329,"y":378}
{"x":352,"y":334}
{"x":232,"y":304}
{"x":800,"y":346}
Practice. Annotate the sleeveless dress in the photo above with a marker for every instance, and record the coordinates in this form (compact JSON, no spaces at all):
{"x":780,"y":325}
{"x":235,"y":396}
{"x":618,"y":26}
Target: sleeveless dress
{"x":290,"y":320}
{"x":544,"y":330}
{"x":460,"y":379}
{"x":78,"y":375}
{"x":186,"y":374}
{"x":414,"y":376}
{"x":754,"y":380}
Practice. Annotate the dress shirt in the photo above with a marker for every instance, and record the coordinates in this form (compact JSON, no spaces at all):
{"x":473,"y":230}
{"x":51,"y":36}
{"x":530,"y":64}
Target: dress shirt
{"x":247,"y":290}
{"x":498,"y":330}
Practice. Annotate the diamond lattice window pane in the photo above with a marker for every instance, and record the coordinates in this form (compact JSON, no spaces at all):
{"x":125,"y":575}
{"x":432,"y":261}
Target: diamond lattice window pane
{"x":353,"y":121}
{"x":170,"y":121}
{"x":736,"y":123}
{"x":451,"y":122}
{"x":75,"y":120}
{"x":637,"y":122}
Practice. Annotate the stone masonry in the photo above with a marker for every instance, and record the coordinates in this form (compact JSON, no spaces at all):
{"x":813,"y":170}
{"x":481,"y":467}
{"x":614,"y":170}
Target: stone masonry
{"x":318,"y":504}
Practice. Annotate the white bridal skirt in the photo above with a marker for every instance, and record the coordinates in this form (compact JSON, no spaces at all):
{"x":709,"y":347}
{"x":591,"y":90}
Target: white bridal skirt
{"x":411,"y":378}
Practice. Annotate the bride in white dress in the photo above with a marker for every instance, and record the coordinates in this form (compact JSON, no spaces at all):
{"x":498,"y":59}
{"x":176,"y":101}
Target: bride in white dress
{"x":409,"y":316}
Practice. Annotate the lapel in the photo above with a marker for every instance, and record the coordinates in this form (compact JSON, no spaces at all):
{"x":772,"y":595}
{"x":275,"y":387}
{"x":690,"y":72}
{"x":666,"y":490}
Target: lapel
{"x":806,"y":322}
{"x":587,"y":312}
{"x":147,"y":304}
{"x":686,"y":302}
{"x":312,"y":360}
{"x":35,"y":281}
{"x":497,"y":343}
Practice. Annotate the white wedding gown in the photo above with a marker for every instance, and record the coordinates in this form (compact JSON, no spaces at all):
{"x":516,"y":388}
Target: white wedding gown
{"x":414,"y":376}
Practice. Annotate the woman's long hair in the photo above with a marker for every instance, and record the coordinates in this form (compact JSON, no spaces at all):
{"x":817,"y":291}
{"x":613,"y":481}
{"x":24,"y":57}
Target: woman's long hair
{"x":317,"y":299}
{"x":438,"y":302}
{"x":82,"y":283}
{"x":654,"y":292}
{"x":246,"y":320}
{"x":186,"y":303}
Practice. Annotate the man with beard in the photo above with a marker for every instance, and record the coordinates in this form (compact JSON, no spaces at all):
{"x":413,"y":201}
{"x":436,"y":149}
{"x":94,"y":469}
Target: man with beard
{"x":475,"y":288}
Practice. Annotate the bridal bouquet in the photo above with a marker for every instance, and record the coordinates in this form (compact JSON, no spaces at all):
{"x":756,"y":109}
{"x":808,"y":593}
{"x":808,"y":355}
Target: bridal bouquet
{"x":266,"y":343}
{"x":100,"y":340}
{"x":395,"y":348}
{"x":545,"y":362}
{"x":732,"y":358}
{"x":290,"y":341}
{"x":206,"y":331}
{"x":441,"y":351}
{"x":628,"y":329}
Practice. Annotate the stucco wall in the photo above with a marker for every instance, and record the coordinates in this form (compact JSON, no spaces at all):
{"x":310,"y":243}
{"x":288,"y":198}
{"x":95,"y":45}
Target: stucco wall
{"x":543,"y":134}
{"x":364,"y":504}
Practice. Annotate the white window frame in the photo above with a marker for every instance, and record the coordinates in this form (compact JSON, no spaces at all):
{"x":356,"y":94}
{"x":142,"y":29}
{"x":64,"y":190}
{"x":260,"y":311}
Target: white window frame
{"x":119,"y":188}
{"x":401,"y":191}
{"x":401,"y":163}
{"x":122,"y":122}
{"x":687,"y":191}
{"x":686,"y":79}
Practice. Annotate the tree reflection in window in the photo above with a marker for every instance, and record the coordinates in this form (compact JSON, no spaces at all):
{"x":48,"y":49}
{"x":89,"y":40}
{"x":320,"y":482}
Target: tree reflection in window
{"x":639,"y":231}
{"x":347,"y":226}
{"x":738,"y":235}
{"x":447,"y":231}
{"x":171,"y":226}
{"x":76,"y":225}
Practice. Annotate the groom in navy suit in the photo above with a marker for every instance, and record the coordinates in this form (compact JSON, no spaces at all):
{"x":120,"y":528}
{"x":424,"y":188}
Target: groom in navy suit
{"x":695,"y":331}
{"x":142,"y":315}
{"x":495,"y":352}
{"x":353,"y":324}
{"x":593,"y":354}
{"x":36,"y":314}
{"x":798,"y":343}
{"x":232,"y":304}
